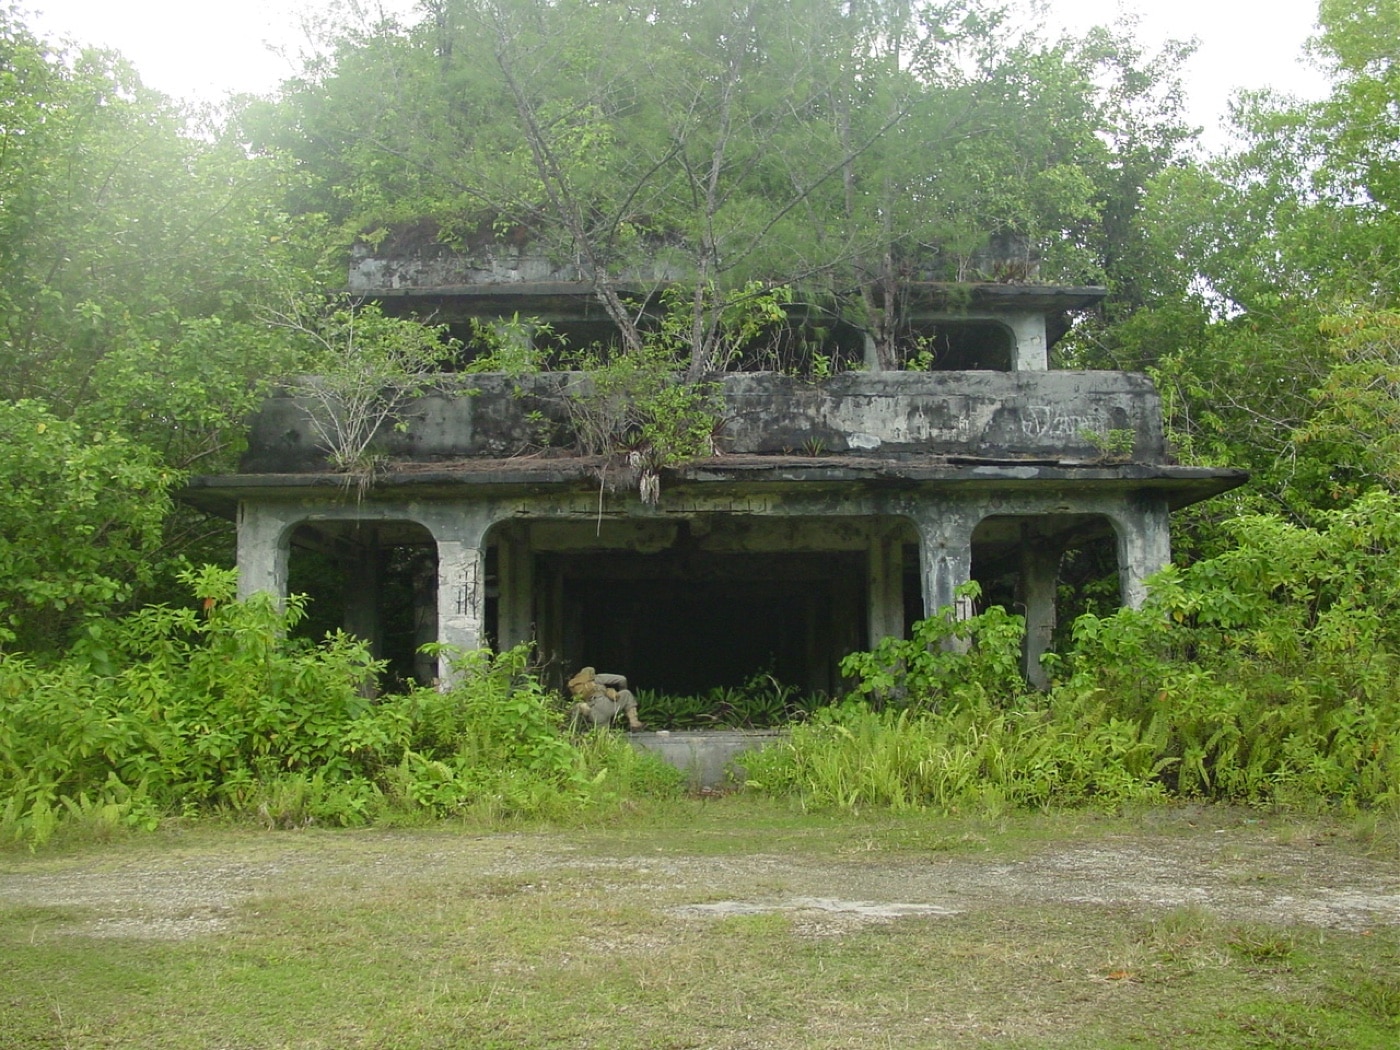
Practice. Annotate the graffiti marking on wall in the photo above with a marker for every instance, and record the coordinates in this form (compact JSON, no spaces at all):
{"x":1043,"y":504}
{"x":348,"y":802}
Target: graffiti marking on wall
{"x":1039,"y":421}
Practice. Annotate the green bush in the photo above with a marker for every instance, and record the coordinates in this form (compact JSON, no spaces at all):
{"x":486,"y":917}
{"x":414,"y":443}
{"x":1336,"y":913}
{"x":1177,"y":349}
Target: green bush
{"x":761,"y":702}
{"x":1267,"y":675}
{"x":188,"y":710}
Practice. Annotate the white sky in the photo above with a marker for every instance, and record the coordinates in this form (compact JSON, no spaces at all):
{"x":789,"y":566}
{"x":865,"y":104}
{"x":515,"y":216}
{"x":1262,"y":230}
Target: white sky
{"x":203,"y":49}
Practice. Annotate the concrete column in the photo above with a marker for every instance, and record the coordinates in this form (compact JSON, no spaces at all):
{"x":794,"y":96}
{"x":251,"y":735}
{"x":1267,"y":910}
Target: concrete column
{"x":871,"y":353}
{"x":460,"y":532}
{"x":1144,"y":546}
{"x":363,"y":591}
{"x":1040,"y":572}
{"x":886,"y":586}
{"x":945,"y":554}
{"x":425,"y":618}
{"x":1031,"y":352}
{"x":515,"y":569}
{"x":264,"y":542}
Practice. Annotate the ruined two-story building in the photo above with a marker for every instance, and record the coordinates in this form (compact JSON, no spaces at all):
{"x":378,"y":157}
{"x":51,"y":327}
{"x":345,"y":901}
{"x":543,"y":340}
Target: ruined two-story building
{"x":835,"y":512}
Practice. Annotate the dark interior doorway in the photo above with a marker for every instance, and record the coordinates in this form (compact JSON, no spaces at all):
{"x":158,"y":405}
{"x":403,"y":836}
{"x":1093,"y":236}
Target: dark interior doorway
{"x":687,"y":622}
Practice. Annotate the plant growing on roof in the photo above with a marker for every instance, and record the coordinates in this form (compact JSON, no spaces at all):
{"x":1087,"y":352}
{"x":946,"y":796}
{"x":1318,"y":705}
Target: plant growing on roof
{"x":632,"y":410}
{"x":363,"y":369}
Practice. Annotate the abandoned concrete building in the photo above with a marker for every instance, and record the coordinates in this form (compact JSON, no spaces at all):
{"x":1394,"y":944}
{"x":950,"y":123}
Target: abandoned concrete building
{"x":836,"y":511}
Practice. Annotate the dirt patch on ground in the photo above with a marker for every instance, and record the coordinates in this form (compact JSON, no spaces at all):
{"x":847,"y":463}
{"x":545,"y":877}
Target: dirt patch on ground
{"x":1247,"y":870}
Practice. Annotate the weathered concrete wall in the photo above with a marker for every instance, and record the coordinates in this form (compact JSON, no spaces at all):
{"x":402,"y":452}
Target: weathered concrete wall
{"x":421,"y":261}
{"x":710,"y":758}
{"x":989,"y":415}
{"x":437,"y":266}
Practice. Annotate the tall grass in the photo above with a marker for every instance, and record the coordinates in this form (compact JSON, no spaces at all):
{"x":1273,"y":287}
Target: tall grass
{"x":217,"y":709}
{"x":1267,"y":675}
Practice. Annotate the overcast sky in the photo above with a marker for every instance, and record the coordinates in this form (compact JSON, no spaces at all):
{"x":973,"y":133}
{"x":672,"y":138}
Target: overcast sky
{"x":202,"y":49}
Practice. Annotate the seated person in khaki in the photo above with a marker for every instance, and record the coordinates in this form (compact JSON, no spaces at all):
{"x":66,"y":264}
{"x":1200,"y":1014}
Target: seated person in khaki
{"x":600,"y":698}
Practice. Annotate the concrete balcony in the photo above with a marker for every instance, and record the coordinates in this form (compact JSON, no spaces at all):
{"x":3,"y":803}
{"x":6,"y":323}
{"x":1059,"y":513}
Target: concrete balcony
{"x":1069,"y":419}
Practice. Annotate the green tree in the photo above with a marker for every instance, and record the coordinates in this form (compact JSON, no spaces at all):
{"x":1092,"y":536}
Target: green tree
{"x":839,"y":149}
{"x":1269,"y":277}
{"x":134,"y":246}
{"x":80,"y":513}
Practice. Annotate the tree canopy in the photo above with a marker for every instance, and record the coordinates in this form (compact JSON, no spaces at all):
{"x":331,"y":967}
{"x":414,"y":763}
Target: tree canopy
{"x":840,"y":148}
{"x":818,"y":153}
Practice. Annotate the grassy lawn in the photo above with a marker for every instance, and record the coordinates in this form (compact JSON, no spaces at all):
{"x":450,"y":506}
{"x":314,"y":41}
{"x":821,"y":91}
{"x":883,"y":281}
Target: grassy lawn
{"x":727,"y":923}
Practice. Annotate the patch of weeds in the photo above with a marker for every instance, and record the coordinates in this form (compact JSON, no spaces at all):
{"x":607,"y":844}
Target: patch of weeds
{"x":918,"y":839}
{"x":504,"y":886}
{"x":763,"y":925}
{"x":1258,"y":944}
{"x":761,"y":702}
{"x":1252,"y":878}
{"x":1379,"y":831}
{"x":1184,"y":937}
{"x":30,"y":916}
{"x":1291,"y":1029}
{"x":1378,"y":998}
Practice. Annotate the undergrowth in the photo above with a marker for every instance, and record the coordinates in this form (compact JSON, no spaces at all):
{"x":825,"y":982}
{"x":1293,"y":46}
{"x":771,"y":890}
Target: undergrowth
{"x":1264,"y":676}
{"x":217,"y":709}
{"x":761,"y":702}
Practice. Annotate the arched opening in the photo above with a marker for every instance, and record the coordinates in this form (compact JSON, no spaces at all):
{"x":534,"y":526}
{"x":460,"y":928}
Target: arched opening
{"x":376,"y":580}
{"x":1049,"y":568}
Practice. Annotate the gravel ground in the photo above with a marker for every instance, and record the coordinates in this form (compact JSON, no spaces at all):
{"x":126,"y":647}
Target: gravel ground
{"x":1230,"y":866}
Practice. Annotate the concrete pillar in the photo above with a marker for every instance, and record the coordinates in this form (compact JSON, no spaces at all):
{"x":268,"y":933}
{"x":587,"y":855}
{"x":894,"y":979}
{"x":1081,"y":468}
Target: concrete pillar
{"x":425,"y":618}
{"x":886,"y":586}
{"x":363,"y":593}
{"x":515,"y":570}
{"x":1031,"y":351}
{"x":1040,"y":572}
{"x":871,"y":353}
{"x":945,"y":554}
{"x":1144,"y":546}
{"x":264,"y":542}
{"x":460,"y":532}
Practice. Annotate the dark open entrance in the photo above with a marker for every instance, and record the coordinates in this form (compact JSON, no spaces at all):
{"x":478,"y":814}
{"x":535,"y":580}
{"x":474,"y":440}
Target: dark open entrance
{"x":376,"y":580}
{"x":964,"y":346}
{"x":686,"y":620}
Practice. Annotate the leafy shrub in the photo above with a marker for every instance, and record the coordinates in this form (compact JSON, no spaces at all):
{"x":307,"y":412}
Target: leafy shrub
{"x":190,"y":709}
{"x":80,"y":516}
{"x":761,"y":702}
{"x":1269,"y":674}
{"x":946,"y":662}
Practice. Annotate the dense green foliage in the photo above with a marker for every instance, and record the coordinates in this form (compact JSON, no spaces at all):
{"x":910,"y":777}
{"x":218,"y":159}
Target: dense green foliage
{"x":762,"y":702}
{"x":178,"y":710}
{"x":1271,"y":277}
{"x":1264,"y":675}
{"x":158,"y":271}
{"x":838,"y":149}
{"x":134,"y":245}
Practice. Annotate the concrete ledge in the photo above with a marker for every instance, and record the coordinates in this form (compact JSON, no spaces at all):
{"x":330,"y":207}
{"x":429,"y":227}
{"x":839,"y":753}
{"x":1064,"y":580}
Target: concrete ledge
{"x":706,"y":756}
{"x":992,"y":415}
